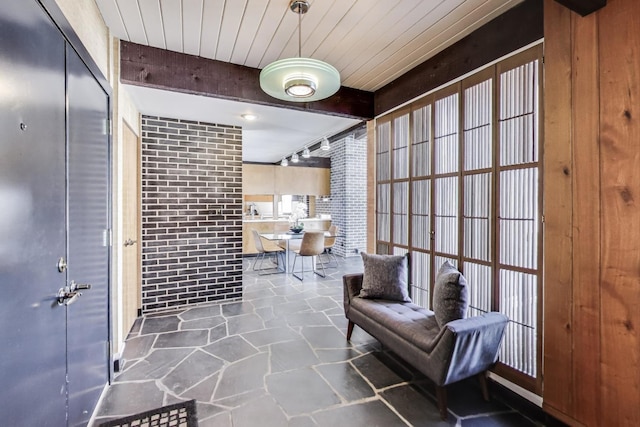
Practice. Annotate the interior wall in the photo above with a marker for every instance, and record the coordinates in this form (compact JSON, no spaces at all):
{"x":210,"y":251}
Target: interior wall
{"x":191,"y":213}
{"x":592,"y":220}
{"x":88,"y":24}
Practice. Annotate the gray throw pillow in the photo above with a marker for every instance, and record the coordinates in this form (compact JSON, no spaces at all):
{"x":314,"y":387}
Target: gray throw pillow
{"x":385,"y":277}
{"x":450,"y":295}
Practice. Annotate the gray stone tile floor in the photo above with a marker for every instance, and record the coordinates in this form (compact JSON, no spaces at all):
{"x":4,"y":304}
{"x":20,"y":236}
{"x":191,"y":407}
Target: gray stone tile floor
{"x":279,"y":357}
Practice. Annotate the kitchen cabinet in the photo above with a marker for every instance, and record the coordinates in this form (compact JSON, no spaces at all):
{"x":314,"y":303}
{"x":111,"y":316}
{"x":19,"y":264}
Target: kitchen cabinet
{"x":258,"y":179}
{"x":274,"y":179}
{"x":301,"y":180}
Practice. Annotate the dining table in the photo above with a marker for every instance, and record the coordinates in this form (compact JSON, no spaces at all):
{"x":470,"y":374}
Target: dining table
{"x":287,"y":237}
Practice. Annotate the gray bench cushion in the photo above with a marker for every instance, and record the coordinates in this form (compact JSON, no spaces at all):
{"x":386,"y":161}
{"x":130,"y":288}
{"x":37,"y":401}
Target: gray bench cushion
{"x":413,"y":323}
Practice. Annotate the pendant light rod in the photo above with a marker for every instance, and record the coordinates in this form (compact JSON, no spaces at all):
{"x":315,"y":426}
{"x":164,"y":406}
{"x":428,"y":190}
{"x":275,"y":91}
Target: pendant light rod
{"x":299,"y":32}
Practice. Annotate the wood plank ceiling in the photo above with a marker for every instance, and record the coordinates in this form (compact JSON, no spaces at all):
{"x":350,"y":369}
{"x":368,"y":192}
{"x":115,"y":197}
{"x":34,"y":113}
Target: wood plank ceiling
{"x":371,"y":42}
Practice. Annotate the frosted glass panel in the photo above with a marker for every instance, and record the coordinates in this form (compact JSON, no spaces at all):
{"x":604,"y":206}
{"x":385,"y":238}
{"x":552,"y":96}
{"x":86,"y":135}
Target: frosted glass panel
{"x":383,"y":165}
{"x":478,"y":152}
{"x":446,"y":215}
{"x":477,"y":214}
{"x":420,"y":278}
{"x":480,"y":288}
{"x":519,"y":302}
{"x":519,"y":218}
{"x":401,"y":147}
{"x":421,"y":156}
{"x":519,"y":115}
{"x":384,"y":212}
{"x":446,"y":144}
{"x":401,"y":213}
{"x":420,"y":215}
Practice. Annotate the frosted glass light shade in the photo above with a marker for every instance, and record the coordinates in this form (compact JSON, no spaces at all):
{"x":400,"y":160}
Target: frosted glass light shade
{"x":304,"y":73}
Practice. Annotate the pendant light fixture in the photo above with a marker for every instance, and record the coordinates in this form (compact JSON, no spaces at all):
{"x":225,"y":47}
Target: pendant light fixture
{"x":300,"y":79}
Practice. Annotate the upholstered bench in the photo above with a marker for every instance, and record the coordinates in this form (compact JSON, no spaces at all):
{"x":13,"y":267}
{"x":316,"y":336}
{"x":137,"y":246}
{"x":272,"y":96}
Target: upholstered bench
{"x":442,"y":345}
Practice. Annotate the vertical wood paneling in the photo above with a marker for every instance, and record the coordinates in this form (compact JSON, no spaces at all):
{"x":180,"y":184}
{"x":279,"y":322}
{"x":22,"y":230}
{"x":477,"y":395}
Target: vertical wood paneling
{"x":619,"y":78}
{"x":557,"y":209}
{"x":601,"y":347}
{"x":586,"y":220}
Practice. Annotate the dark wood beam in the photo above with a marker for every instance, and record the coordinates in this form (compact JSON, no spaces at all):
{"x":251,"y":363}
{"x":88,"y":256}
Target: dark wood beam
{"x":167,"y":70}
{"x":510,"y":31}
{"x":583,"y":7}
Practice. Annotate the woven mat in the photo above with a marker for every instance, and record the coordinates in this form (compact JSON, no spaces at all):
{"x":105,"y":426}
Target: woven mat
{"x":177,"y":415}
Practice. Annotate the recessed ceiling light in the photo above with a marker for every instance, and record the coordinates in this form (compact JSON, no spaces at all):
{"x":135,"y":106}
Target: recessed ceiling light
{"x":249,"y":117}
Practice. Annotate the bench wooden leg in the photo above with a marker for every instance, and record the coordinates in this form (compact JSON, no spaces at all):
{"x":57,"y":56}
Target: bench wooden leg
{"x":441,"y":394}
{"x":350,"y":330}
{"x":482,"y":376}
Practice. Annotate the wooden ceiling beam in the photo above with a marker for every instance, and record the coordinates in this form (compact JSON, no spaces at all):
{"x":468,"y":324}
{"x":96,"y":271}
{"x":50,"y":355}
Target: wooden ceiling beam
{"x":167,"y":70}
{"x":583,"y":7}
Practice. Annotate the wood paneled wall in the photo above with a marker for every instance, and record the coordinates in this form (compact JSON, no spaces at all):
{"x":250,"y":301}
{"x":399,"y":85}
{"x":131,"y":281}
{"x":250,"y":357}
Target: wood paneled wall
{"x":592,"y":215}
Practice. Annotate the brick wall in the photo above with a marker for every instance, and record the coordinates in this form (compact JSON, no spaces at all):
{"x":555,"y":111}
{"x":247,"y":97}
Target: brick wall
{"x":191,"y":213}
{"x":348,"y":205}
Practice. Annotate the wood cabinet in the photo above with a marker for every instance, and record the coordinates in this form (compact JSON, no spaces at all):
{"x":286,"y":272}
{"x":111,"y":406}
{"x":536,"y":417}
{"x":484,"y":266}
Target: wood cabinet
{"x":258,"y":179}
{"x":301,"y":180}
{"x":272,"y":179}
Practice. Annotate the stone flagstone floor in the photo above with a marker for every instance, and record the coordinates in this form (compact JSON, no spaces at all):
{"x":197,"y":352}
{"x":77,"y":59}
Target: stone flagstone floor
{"x":279,"y":358}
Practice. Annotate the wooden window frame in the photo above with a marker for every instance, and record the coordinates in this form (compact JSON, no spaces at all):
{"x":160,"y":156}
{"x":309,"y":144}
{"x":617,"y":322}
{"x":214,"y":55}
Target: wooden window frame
{"x":533,"y":384}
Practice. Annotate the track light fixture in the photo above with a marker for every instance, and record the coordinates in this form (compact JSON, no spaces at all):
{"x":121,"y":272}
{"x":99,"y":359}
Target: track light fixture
{"x":284,"y":162}
{"x":306,"y":153}
{"x":295,"y":158}
{"x":324,"y":146}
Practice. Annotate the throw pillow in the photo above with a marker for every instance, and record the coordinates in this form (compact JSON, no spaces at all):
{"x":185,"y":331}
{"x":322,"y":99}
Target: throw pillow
{"x":385,"y":277}
{"x":450,"y":295}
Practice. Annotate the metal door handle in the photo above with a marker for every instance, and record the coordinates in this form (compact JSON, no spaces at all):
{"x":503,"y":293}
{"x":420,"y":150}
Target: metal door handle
{"x":70,"y":294}
{"x":129,"y":242}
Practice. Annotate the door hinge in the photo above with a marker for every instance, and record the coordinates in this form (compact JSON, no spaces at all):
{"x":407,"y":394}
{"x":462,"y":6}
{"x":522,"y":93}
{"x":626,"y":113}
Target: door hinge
{"x":107,"y":237}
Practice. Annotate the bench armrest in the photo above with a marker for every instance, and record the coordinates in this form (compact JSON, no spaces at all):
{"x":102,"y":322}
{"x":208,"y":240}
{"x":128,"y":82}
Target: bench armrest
{"x":476,"y":342}
{"x":352,"y":284}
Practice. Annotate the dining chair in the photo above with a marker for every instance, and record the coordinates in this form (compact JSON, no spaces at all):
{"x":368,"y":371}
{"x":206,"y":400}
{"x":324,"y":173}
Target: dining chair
{"x":312,"y":245}
{"x":329,"y":243}
{"x":264,"y":249}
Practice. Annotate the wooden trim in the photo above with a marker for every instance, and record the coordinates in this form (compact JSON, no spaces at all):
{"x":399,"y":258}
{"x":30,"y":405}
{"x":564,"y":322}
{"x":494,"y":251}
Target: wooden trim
{"x":583,"y":7}
{"x":371,"y":187}
{"x":167,"y":70}
{"x":586,"y":219}
{"x":514,"y":29}
{"x":558,"y":211}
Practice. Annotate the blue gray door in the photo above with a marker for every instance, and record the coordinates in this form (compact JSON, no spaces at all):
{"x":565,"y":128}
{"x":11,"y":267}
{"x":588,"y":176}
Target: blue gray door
{"x":32,"y":218}
{"x":54,"y":214}
{"x":88,"y":251}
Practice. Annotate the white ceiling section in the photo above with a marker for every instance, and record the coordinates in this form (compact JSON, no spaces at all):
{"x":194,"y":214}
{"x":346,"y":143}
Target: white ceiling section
{"x":275,"y":133}
{"x":370,"y":42}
